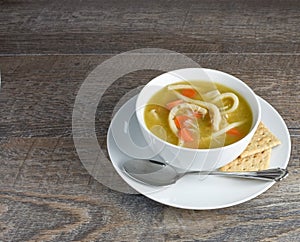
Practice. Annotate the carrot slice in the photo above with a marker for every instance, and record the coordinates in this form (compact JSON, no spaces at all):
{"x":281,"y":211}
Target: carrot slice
{"x":188,"y":92}
{"x":234,"y":132}
{"x":185,"y":135}
{"x":179,"y":120}
{"x":197,"y":115}
{"x":172,"y":104}
{"x":177,"y":123}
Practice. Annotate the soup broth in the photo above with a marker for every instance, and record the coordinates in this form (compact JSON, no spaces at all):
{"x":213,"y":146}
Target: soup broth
{"x":198,"y":114}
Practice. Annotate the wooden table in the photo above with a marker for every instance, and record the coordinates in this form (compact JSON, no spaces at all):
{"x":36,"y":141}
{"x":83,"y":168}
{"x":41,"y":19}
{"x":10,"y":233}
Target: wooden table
{"x":47,"y":50}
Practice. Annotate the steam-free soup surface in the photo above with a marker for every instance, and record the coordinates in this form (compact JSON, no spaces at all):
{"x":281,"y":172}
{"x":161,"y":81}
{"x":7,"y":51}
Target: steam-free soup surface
{"x":198,"y":114}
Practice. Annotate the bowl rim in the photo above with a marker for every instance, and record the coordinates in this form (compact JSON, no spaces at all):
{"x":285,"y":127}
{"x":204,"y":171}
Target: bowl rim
{"x":140,"y":111}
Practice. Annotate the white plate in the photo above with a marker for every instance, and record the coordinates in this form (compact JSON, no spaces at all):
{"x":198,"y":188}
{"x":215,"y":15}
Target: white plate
{"x":124,"y":139}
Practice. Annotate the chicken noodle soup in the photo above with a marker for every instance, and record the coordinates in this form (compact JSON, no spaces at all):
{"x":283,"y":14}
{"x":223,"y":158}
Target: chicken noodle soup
{"x":195,"y":115}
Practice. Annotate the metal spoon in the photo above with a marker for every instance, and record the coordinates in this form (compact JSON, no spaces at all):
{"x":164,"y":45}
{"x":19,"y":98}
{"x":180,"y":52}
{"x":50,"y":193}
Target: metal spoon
{"x":157,"y":173}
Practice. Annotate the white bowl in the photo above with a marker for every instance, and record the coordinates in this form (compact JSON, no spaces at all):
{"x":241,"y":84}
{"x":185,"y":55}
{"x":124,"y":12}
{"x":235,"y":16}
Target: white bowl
{"x":196,"y":159}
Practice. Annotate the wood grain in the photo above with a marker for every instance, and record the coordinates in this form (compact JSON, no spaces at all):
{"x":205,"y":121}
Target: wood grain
{"x":47,"y":49}
{"x":69,"y":27}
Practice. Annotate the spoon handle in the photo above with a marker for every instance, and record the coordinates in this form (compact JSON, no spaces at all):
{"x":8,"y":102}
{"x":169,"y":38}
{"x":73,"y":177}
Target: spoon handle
{"x":274,"y":174}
